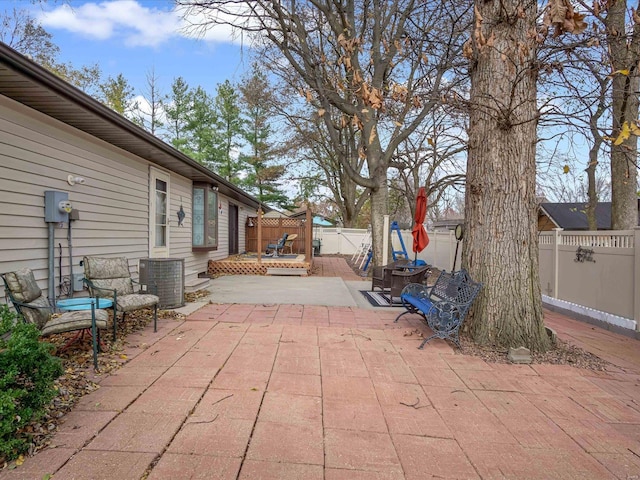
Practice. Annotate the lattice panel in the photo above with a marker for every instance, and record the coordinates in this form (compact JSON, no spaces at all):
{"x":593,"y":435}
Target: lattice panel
{"x":278,"y":222}
{"x":272,"y":231}
{"x":250,"y":268}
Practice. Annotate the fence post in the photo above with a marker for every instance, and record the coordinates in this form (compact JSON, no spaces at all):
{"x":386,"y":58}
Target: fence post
{"x":308,"y":234}
{"x":259,"y":227}
{"x":386,"y":233}
{"x":636,"y":277}
{"x":555,"y":260}
{"x":435,"y":249}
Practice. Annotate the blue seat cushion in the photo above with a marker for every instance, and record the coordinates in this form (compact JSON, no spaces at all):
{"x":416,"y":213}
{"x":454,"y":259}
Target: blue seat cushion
{"x":422,"y":304}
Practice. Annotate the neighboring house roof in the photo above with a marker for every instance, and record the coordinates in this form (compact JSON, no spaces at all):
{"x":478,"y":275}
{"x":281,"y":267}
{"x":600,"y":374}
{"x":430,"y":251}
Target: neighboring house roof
{"x":572,"y":216}
{"x":447,"y":223}
{"x":28,"y":83}
{"x":275,"y":214}
{"x":321,"y":221}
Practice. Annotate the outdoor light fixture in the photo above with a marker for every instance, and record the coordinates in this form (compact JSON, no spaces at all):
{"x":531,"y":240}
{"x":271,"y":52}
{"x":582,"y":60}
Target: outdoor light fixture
{"x":214,"y":188}
{"x":249,"y":222}
{"x":72,"y":180}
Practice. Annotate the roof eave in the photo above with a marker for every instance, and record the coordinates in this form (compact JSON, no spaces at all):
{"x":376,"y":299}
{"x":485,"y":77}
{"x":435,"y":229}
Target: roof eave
{"x":157,"y":149}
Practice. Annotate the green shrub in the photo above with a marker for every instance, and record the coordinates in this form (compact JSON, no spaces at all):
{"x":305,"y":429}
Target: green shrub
{"x":27,"y":375}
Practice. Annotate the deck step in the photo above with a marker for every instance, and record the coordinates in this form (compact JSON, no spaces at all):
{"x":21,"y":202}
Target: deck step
{"x":193,"y":285}
{"x":286,"y":271}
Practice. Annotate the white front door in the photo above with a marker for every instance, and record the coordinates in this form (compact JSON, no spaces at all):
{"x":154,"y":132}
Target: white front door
{"x":158,"y":214}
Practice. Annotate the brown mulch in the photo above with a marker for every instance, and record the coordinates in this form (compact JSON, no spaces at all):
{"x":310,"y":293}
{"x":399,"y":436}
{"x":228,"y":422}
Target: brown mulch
{"x":563,"y":353}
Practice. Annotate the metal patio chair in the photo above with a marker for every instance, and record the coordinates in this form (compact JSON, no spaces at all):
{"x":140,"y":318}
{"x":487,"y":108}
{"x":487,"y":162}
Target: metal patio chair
{"x":275,"y":247}
{"x":34,"y":307}
{"x":110,"y":278}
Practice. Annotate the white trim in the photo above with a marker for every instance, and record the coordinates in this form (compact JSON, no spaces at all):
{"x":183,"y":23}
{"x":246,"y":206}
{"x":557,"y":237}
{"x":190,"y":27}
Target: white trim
{"x":154,"y":251}
{"x":591,"y":313}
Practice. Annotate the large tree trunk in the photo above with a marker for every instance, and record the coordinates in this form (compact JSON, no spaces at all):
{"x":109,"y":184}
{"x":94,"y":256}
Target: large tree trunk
{"x":379,"y":208}
{"x":501,"y":239}
{"x":624,"y":57}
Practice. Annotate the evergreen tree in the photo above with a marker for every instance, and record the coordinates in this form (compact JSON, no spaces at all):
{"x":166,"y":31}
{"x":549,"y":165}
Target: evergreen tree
{"x":265,"y":173}
{"x":230,"y":128}
{"x":117,"y":94}
{"x":177,"y":110}
{"x":202,"y":136}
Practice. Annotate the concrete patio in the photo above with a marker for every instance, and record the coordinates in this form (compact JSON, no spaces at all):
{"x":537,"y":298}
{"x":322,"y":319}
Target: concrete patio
{"x":268,"y":391}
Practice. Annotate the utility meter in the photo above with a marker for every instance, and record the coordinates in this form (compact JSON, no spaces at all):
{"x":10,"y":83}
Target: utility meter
{"x":65,"y":206}
{"x":56,"y":206}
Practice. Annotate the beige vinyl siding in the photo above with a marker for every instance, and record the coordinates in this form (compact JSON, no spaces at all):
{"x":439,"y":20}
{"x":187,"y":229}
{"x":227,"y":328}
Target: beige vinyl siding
{"x":223,"y":230}
{"x":37,"y":153}
{"x":180,"y":237}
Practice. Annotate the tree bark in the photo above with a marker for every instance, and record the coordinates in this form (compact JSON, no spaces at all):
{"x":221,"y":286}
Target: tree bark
{"x":625,"y":54}
{"x":501,"y":239}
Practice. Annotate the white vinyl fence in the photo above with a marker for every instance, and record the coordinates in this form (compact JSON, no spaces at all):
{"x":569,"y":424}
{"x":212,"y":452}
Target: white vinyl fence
{"x":345,"y":241}
{"x":597,"y":272}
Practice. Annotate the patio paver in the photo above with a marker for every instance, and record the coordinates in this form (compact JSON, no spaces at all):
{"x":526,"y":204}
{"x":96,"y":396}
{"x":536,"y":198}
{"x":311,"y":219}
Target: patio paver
{"x":344,"y":394}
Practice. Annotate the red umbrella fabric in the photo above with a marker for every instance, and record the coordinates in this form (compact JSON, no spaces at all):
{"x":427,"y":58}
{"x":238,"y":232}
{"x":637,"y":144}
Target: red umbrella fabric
{"x":420,"y":237}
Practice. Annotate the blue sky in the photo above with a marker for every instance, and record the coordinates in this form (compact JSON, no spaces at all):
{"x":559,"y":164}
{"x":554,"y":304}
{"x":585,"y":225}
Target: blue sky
{"x":134,"y":36}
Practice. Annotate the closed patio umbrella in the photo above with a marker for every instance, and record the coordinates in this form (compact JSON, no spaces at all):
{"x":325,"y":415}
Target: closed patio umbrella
{"x":420,"y":236}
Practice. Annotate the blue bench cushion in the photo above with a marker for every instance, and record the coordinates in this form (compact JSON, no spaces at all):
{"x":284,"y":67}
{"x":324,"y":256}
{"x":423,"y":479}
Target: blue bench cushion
{"x":422,"y":304}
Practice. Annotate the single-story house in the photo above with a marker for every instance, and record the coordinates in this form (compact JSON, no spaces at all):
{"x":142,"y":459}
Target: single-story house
{"x":573,"y":216}
{"x":131,"y":194}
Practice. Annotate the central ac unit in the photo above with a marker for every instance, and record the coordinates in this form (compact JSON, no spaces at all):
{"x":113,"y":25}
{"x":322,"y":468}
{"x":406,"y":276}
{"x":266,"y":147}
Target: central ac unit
{"x":167,"y":275}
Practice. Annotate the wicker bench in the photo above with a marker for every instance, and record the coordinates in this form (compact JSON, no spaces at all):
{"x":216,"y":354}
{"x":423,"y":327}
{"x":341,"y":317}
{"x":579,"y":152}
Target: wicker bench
{"x":443,"y":305}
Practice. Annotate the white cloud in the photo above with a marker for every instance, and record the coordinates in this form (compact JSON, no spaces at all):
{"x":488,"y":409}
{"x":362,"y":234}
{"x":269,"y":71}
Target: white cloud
{"x":132,"y":21}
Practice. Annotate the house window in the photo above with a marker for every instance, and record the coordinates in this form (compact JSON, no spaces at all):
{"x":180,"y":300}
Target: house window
{"x":159,"y":208}
{"x":161,"y":214}
{"x":205,"y":218}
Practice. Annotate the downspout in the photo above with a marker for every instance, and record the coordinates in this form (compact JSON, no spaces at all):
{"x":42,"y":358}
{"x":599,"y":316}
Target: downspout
{"x":70,"y":292}
{"x":52,"y":270}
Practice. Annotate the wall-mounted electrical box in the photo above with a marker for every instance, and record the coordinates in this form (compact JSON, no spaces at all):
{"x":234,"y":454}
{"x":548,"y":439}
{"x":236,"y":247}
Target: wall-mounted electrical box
{"x":56,"y":206}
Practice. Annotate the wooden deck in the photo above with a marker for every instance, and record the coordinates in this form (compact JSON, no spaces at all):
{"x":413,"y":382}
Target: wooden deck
{"x":249,"y":265}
